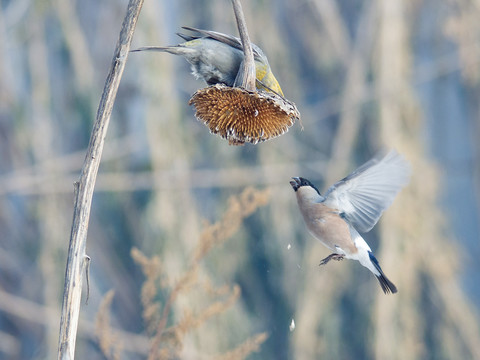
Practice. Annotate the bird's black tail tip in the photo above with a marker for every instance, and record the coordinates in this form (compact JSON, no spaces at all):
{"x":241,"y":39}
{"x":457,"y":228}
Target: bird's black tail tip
{"x":387,"y":285}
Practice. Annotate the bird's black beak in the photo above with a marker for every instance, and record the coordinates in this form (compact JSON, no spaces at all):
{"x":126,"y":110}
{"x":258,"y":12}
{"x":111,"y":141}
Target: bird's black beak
{"x":295,"y":182}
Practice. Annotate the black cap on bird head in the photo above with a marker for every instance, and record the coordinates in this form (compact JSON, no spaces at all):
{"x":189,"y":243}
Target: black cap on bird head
{"x":298,"y":182}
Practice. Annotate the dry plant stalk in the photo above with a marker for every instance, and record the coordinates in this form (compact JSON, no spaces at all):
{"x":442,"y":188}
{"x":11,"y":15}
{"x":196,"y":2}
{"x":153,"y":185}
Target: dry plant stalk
{"x":239,"y":208}
{"x":242,"y":351}
{"x":247,"y":69}
{"x":107,"y":340}
{"x":85,"y":186}
{"x":167,"y":342}
{"x":191,"y":321}
{"x":151,"y":268}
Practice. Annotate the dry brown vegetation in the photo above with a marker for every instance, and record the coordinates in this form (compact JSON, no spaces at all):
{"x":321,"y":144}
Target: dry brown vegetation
{"x":166,"y":340}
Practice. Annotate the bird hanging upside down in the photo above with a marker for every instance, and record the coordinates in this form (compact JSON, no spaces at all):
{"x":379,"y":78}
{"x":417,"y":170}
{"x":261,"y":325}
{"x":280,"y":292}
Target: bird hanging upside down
{"x":353,"y":205}
{"x":216,"y":58}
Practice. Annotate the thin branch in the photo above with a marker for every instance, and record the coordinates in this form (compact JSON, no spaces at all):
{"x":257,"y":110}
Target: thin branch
{"x":78,"y":237}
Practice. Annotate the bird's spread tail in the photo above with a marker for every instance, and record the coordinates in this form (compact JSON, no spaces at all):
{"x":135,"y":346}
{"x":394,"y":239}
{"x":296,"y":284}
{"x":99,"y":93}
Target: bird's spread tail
{"x":387,"y":285}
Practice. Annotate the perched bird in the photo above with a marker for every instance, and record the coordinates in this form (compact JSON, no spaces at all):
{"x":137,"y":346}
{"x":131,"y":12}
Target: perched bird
{"x":216,"y":58}
{"x":353,"y":205}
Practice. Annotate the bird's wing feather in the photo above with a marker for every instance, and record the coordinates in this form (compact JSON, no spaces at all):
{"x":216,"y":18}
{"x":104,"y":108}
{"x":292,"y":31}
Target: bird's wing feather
{"x":363,"y":195}
{"x":224,"y":38}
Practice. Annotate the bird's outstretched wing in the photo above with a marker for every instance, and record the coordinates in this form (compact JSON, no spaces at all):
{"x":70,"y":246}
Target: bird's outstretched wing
{"x":363,"y":195}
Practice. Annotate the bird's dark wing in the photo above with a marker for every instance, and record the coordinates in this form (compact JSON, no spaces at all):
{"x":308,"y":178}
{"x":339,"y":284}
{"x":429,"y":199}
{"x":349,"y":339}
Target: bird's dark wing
{"x":224,"y":38}
{"x":363,"y":195}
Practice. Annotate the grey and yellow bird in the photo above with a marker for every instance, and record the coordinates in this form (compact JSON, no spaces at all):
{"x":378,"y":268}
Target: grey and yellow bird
{"x":216,"y":58}
{"x":353,"y":205}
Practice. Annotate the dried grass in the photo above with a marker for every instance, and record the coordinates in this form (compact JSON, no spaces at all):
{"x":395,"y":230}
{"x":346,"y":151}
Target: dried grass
{"x":107,"y":340}
{"x":167,"y":339}
{"x":242,"y":351}
{"x":239,"y":208}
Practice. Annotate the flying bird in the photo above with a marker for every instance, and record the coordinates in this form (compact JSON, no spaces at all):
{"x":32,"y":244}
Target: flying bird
{"x":352,"y":206}
{"x":216,"y":58}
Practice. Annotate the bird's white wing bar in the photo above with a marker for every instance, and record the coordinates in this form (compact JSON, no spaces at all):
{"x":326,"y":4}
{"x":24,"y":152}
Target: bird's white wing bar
{"x":364,"y":194}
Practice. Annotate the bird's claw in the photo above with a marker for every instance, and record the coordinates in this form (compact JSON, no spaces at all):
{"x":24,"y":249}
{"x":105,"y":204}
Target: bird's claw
{"x":337,"y":257}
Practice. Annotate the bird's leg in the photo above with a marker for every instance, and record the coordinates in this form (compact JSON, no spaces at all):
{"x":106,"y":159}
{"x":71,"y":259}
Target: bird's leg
{"x":333,"y":256}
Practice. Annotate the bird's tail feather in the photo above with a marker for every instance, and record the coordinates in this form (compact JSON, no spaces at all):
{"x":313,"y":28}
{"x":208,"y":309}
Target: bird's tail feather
{"x":176,"y":50}
{"x":387,"y":285}
{"x":187,"y":37}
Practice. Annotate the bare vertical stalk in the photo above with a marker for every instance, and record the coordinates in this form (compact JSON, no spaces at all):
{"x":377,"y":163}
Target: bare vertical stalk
{"x":84,"y":189}
{"x":248,"y":66}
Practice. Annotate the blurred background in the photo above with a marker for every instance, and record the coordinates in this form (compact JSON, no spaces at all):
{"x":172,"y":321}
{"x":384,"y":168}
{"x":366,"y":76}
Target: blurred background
{"x":364,"y":75}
